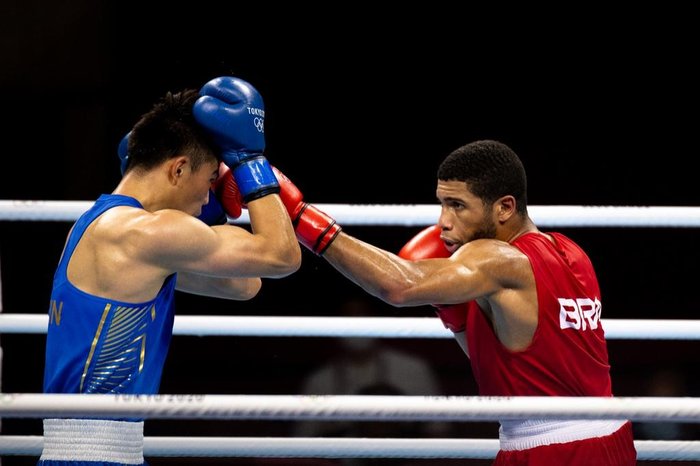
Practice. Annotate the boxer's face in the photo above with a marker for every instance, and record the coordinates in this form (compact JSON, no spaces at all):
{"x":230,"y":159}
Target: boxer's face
{"x":463,"y":216}
{"x":194,"y":192}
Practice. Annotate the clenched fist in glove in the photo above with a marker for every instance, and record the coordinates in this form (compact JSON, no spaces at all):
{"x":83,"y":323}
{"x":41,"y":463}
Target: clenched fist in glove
{"x":232,"y":111}
{"x":225,"y":192}
{"x":428,"y":245}
{"x":315,"y":229}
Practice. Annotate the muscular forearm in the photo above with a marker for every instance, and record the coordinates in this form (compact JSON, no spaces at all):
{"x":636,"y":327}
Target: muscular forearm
{"x":378,"y":272}
{"x":269,"y":219}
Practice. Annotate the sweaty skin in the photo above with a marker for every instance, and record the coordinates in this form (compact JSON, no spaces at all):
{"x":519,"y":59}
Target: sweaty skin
{"x":491,"y":271}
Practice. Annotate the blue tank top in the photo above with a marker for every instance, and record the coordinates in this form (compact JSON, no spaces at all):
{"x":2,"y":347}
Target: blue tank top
{"x":98,"y":345}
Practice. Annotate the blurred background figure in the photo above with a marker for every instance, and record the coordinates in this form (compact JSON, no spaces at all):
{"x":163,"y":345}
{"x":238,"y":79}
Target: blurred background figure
{"x":370,"y":366}
{"x":665,"y":382}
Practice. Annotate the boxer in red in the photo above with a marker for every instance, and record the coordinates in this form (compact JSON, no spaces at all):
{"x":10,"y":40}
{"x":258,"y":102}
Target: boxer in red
{"x":524,"y":304}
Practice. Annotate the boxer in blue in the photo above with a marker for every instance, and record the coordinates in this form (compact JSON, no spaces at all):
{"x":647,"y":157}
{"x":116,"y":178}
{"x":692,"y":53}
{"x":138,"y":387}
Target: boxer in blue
{"x":163,"y":228}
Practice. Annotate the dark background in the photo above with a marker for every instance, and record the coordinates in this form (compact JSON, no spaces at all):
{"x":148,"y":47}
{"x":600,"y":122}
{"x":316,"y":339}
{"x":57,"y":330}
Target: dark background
{"x":602,"y":106}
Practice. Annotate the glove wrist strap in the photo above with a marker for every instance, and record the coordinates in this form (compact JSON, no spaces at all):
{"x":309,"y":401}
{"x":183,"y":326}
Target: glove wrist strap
{"x":315,"y":229}
{"x":255,"y":178}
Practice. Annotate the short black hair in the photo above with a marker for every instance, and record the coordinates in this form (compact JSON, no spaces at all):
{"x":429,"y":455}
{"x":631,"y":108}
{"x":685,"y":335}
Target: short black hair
{"x":491,"y":170}
{"x":169,"y":129}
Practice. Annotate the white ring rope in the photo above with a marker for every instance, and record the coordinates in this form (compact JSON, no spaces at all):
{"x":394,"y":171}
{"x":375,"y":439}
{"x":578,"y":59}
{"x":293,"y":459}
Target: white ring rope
{"x":411,"y":214}
{"x":340,"y":447}
{"x":375,"y":327}
{"x":349,"y":407}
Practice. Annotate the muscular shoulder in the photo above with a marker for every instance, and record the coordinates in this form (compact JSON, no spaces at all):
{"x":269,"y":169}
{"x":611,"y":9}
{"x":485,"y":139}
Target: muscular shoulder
{"x":490,"y":251}
{"x":498,"y":259}
{"x":143,"y":230}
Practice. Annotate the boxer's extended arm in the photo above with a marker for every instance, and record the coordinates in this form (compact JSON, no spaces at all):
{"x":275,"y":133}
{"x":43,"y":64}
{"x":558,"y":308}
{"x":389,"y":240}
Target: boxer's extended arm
{"x":387,"y":276}
{"x":317,"y":230}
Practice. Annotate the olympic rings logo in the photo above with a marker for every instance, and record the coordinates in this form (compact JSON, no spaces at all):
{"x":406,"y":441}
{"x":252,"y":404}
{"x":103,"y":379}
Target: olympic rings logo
{"x":259,"y":124}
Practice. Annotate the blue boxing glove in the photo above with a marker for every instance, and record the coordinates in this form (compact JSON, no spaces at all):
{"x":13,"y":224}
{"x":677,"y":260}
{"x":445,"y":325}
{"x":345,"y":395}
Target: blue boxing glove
{"x":232,"y":111}
{"x":212,"y":213}
{"x":123,"y":152}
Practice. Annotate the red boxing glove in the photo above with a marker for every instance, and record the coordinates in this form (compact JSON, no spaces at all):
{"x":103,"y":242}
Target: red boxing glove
{"x":226,"y":191}
{"x":425,"y":245}
{"x":291,"y":197}
{"x":453,"y":316}
{"x":314,"y":229}
{"x":428,"y":245}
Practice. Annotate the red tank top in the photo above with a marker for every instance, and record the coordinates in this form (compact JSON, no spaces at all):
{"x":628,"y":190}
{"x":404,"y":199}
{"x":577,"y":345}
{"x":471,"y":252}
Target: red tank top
{"x":568,"y":354}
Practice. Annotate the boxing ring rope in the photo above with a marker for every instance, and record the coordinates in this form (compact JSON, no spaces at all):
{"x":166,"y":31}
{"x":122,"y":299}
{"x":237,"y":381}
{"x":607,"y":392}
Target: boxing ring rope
{"x":375,"y":327}
{"x":410,"y":215}
{"x":340,"y":447}
{"x":347,"y":407}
